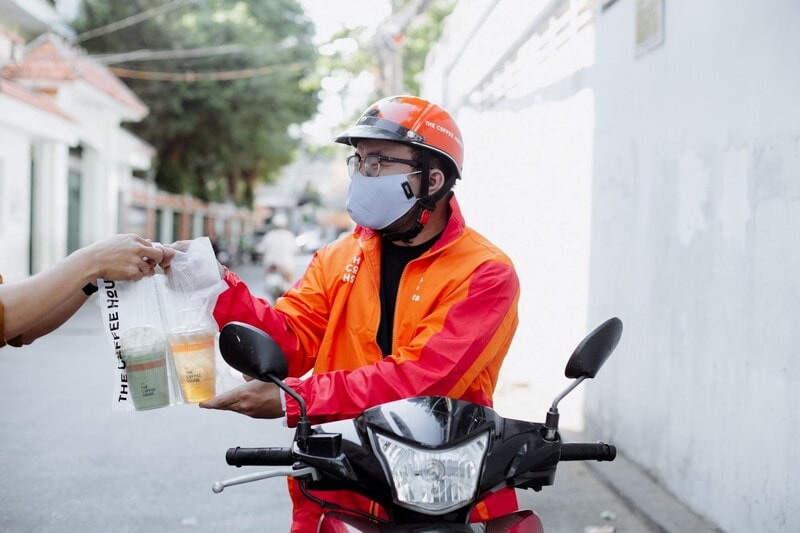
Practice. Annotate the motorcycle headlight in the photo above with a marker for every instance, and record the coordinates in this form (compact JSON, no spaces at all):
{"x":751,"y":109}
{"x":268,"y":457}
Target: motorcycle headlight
{"x":434,"y":481}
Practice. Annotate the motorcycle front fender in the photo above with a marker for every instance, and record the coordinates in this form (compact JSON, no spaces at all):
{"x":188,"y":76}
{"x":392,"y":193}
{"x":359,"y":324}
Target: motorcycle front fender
{"x":517,"y":522}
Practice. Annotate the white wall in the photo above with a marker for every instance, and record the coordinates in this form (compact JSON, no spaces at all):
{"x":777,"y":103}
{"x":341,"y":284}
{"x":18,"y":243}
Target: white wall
{"x":664,"y":190}
{"x":49,"y":200}
{"x":101,"y":179}
{"x":694,"y":245}
{"x":15,"y":211}
{"x":527,"y":116}
{"x":28,"y":132}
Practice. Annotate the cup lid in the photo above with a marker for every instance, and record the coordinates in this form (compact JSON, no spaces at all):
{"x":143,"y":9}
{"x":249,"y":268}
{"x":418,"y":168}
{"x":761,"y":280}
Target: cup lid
{"x":141,"y":336}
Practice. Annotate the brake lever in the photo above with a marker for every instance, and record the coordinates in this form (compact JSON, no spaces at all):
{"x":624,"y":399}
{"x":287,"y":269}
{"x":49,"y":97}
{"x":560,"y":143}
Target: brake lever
{"x":219,"y":486}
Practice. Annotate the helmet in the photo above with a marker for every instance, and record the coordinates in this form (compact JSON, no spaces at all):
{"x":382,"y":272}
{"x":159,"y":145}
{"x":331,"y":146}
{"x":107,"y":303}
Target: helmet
{"x":280,"y":220}
{"x":409,"y":120}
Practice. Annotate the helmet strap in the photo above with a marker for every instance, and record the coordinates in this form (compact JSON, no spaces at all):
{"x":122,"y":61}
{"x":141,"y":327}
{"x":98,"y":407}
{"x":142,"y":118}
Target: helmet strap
{"x":423,"y":214}
{"x":425,"y":205}
{"x":425,"y":167}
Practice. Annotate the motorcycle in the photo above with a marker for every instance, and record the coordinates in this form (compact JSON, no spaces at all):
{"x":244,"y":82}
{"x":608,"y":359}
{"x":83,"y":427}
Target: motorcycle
{"x":427,"y":460}
{"x":275,"y":283}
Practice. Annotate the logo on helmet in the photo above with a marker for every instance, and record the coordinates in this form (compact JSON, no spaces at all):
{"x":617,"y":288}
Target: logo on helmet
{"x":444,"y":130}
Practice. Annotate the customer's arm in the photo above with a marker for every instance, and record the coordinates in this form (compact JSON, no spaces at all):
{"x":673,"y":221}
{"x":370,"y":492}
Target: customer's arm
{"x":39,"y":304}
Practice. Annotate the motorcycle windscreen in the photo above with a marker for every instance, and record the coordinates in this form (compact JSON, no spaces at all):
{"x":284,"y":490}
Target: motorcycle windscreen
{"x":432,"y":421}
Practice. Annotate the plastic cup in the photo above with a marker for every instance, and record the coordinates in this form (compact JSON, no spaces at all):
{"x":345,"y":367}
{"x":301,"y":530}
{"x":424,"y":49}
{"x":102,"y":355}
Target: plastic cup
{"x":193,"y":355}
{"x":144,"y":351}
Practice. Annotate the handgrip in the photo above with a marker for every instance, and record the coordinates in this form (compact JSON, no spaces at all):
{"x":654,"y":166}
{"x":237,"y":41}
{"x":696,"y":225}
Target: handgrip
{"x":259,"y":456}
{"x":597,"y":451}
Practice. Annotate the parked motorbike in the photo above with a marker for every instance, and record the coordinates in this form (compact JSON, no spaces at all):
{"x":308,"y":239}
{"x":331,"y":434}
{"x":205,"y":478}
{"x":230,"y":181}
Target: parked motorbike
{"x":227,"y":253}
{"x":275,"y":283}
{"x":426,"y":460}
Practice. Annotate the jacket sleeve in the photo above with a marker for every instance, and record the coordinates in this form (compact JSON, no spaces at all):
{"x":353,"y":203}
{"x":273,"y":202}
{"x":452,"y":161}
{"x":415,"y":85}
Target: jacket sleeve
{"x":238,"y":304}
{"x":300,"y":343}
{"x":453,"y":346}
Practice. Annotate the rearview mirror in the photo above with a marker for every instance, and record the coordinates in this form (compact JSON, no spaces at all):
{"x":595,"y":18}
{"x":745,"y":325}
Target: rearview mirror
{"x":252,"y":352}
{"x":594,"y":350}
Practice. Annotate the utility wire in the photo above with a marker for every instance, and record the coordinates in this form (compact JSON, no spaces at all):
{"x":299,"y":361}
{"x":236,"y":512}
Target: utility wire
{"x":154,"y":55}
{"x":133,"y":19}
{"x":191,"y":77}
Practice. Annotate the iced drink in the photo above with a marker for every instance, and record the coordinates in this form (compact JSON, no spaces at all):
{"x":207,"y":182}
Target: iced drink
{"x":144,"y":351}
{"x":193,"y":355}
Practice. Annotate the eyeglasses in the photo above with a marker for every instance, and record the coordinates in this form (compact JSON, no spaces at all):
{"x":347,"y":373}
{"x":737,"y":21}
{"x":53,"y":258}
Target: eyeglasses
{"x":371,"y":164}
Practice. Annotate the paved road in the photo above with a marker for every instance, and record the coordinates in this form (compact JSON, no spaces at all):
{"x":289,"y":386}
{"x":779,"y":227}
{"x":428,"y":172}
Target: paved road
{"x":70,"y":464}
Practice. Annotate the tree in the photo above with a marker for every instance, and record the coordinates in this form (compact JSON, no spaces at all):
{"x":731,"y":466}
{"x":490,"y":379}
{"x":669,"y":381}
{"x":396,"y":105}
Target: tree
{"x":419,"y":37}
{"x":224,"y":81}
{"x":404,"y":39}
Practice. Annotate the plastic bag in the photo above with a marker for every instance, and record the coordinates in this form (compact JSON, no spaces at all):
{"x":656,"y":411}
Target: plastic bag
{"x":164,"y":335}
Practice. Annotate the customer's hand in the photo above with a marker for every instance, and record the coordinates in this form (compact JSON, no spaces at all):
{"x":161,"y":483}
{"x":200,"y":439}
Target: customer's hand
{"x":255,"y":399}
{"x":123,"y":257}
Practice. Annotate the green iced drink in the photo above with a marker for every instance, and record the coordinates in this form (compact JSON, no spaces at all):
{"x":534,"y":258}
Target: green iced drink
{"x":144,"y":351}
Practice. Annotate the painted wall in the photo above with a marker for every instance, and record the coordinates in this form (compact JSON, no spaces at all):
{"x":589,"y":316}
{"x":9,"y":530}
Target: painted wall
{"x":28,"y":133}
{"x":658,"y":182}
{"x":696,"y":209}
{"x":15,"y":185}
{"x":514,"y":75}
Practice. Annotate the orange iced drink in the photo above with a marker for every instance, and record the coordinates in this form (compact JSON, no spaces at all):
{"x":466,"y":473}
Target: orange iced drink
{"x":193,"y":355}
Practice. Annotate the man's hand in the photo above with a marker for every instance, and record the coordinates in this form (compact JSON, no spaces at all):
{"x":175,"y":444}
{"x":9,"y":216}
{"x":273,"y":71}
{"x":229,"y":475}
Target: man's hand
{"x":170,"y":250}
{"x":255,"y":399}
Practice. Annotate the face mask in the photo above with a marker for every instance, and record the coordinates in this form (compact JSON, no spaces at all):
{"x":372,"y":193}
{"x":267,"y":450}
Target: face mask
{"x":377,"y":202}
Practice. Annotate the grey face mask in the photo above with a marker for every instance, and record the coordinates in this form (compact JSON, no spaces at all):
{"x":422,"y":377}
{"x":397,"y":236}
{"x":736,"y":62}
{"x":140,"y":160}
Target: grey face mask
{"x":377,"y":202}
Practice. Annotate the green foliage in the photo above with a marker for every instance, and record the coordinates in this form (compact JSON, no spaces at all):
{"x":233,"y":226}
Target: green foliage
{"x":340,"y":59}
{"x":420,"y":36}
{"x":215,"y":139}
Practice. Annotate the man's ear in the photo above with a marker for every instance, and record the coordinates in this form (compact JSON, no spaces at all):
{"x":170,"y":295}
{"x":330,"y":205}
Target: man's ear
{"x":435,"y":180}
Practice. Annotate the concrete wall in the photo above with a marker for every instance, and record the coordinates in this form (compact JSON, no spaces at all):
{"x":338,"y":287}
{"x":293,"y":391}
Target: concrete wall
{"x":103,"y":165}
{"x":696,"y":209}
{"x":15,"y":207}
{"x":32,"y":140}
{"x":49,"y":203}
{"x":659,"y":182}
{"x":516,"y":82}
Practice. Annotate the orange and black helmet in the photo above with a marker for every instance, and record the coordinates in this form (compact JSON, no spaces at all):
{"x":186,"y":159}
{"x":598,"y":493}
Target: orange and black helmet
{"x":410,"y":120}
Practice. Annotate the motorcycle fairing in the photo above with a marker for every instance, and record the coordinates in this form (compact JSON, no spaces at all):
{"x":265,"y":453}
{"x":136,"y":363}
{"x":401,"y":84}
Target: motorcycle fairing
{"x":516,"y":449}
{"x":518,"y":522}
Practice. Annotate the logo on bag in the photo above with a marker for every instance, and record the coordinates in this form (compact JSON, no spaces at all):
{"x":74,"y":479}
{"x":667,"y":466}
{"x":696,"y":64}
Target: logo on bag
{"x":112,"y":322}
{"x":351,"y":269}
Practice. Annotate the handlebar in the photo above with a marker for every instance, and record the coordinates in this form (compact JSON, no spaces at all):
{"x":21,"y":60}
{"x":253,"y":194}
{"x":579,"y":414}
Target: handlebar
{"x":598,"y":451}
{"x":259,"y":456}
